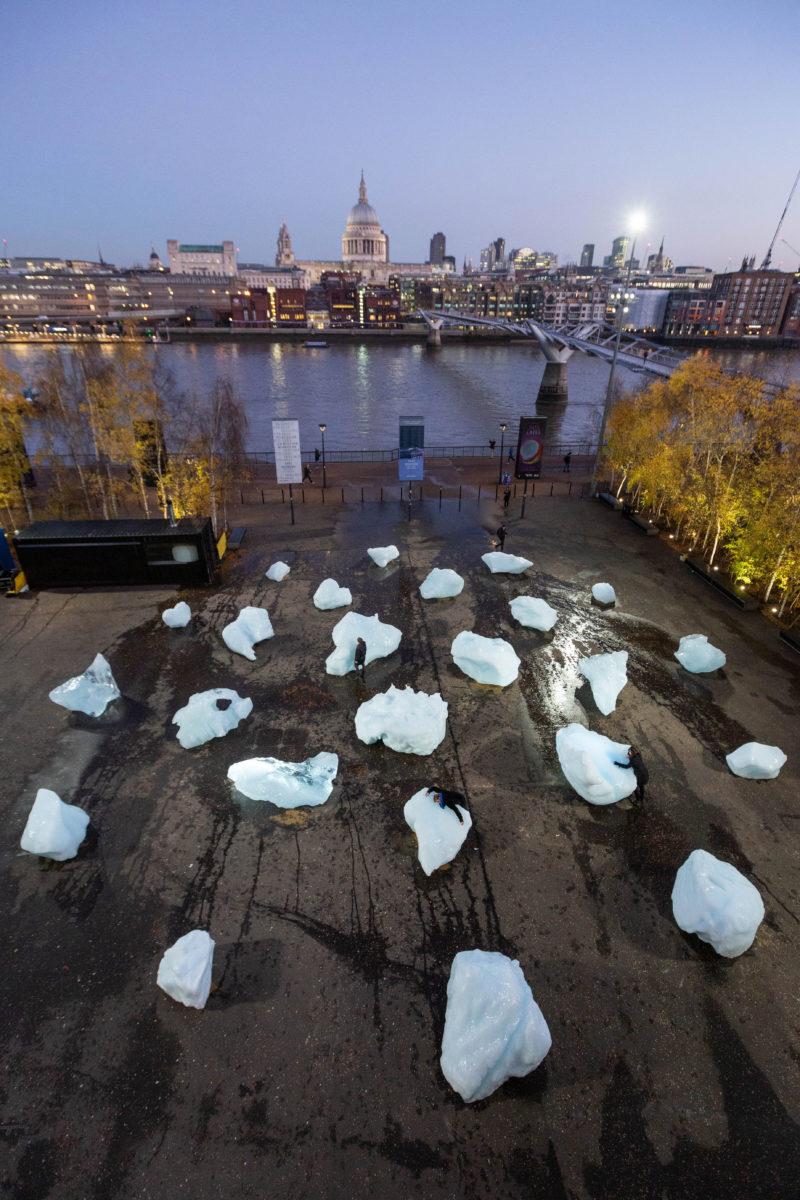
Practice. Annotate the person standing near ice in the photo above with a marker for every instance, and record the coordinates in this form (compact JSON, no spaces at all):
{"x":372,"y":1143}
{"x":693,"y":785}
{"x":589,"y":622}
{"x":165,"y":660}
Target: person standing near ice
{"x":567,"y":461}
{"x":501,"y":535}
{"x":446,"y":798}
{"x":636,"y":764}
{"x":506,"y":497}
{"x":360,"y":656}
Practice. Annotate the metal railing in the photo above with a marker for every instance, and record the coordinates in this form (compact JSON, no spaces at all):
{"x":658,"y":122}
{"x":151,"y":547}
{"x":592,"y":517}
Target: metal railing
{"x":551,"y":450}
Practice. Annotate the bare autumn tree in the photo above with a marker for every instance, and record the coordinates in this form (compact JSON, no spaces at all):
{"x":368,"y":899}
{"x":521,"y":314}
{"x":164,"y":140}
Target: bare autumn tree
{"x":213,"y":460}
{"x":14,"y":463}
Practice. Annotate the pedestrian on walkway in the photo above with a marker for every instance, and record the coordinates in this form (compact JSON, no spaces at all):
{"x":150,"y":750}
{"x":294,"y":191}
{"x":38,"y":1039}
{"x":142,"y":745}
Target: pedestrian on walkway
{"x":492,"y":445}
{"x":636,"y":764}
{"x":447,"y":798}
{"x":360,"y":657}
{"x":307,"y":474}
{"x":316,"y":455}
{"x":511,"y":454}
{"x":501,"y":535}
{"x":506,"y":497}
{"x":567,"y":460}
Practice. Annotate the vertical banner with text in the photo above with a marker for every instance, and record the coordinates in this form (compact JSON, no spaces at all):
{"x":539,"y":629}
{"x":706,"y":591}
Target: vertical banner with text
{"x":411,"y":451}
{"x":286,"y":440}
{"x":530,"y":446}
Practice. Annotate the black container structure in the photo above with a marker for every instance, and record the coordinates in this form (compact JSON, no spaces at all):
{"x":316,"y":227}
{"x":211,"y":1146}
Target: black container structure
{"x":81,"y":553}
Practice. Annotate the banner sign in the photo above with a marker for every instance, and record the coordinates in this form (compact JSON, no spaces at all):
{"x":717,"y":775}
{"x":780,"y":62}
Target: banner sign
{"x":411,"y":452}
{"x":286,"y":440}
{"x":530,"y":446}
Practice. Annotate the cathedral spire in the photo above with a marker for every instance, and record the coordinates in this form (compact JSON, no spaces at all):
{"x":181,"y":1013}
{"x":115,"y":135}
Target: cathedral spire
{"x":362,"y":190}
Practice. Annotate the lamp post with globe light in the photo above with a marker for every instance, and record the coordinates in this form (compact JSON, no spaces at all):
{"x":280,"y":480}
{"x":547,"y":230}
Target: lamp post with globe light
{"x":502,"y":438}
{"x":322,"y":429}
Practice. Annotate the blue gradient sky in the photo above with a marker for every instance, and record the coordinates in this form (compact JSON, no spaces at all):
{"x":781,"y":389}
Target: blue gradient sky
{"x":542,"y":123}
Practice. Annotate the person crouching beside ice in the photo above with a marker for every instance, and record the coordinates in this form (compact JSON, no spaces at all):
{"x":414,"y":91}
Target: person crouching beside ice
{"x":446,"y":799}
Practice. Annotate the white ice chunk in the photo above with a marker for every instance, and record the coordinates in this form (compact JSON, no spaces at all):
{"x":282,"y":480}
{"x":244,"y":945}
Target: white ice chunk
{"x":508,"y":564}
{"x":604,"y":593}
{"x":535,"y":614}
{"x":408,"y":721}
{"x":697,"y":655}
{"x":754,"y":760}
{"x":203,"y":718}
{"x":252,"y":625}
{"x":441,"y":582}
{"x":607,"y":674}
{"x":493,"y":1027}
{"x":715,"y":901}
{"x":587,"y":760}
{"x":90,"y":692}
{"x":184,"y":972}
{"x":54,"y":829}
{"x":330,"y":595}
{"x":381,"y":640}
{"x":177,"y":617}
{"x":382,"y":555}
{"x":286,"y":784}
{"x":278,"y":571}
{"x":488,"y":660}
{"x":439,"y":835}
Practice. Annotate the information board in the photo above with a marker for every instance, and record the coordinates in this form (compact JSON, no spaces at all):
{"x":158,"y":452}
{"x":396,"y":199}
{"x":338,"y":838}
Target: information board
{"x":411,"y":451}
{"x":286,"y":440}
{"x":530,"y":446}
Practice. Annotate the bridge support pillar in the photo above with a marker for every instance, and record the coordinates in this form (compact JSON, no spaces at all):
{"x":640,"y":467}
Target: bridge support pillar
{"x":434,"y":336}
{"x":554,"y":382}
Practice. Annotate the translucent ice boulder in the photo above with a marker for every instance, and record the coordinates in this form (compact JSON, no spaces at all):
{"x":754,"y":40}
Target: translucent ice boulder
{"x":90,"y":692}
{"x":439,"y":834}
{"x":383,"y":555}
{"x":286,"y":784}
{"x":177,"y":617}
{"x":754,"y":760}
{"x":381,"y":640}
{"x":493,"y":1027}
{"x":278,"y":571}
{"x":407,"y":721}
{"x":441,"y":583}
{"x":54,"y":829}
{"x":487,"y":660}
{"x":607,"y":674}
{"x":587,"y":760}
{"x":210,"y":715}
{"x":509,"y":564}
{"x":252,"y":625}
{"x":715,"y":901}
{"x":603,"y":593}
{"x":184,"y":972}
{"x":330,"y":595}
{"x":697,"y":655}
{"x":535,"y":614}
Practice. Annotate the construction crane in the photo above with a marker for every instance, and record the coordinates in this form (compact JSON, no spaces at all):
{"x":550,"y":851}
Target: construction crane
{"x":797,"y":252}
{"x":768,"y":255}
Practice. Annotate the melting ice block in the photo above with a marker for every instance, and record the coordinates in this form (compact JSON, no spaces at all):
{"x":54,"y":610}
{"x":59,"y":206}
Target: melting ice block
{"x":54,"y":829}
{"x":177,"y":617}
{"x":407,"y":721}
{"x":535,"y":614}
{"x":278,"y":571}
{"x":697,"y":655}
{"x":754,"y":760}
{"x":184,"y":972}
{"x":488,"y":660}
{"x":607,"y":674}
{"x":381,"y":640}
{"x":603,"y":593}
{"x":509,"y":564}
{"x":440,"y":583}
{"x":286,"y":784}
{"x":439,"y":835}
{"x":382,"y":555}
{"x":587,"y":760}
{"x":90,"y":692}
{"x":252,"y":625}
{"x":493,"y":1027}
{"x":330,"y":595}
{"x":210,"y":715}
{"x":715,"y":901}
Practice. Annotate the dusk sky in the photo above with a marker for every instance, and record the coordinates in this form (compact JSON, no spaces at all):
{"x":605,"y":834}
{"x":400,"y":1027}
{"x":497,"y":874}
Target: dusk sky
{"x":545,"y":124}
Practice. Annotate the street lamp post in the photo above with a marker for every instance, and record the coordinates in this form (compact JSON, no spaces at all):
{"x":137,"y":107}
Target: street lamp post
{"x":502,"y":439}
{"x":322,"y":429}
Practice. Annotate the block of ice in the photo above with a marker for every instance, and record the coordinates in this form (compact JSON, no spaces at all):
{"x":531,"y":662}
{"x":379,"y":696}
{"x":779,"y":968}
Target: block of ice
{"x":177,"y":617}
{"x":487,"y":660}
{"x":381,"y":640}
{"x":508,"y":564}
{"x":587,"y":760}
{"x":439,"y":835}
{"x":382,"y":555}
{"x":441,"y":582}
{"x":535,"y":614}
{"x":407,"y":721}
{"x":286,"y":784}
{"x":493,"y":1027}
{"x":210,"y":715}
{"x":603,"y":593}
{"x":184,"y":972}
{"x":90,"y":692}
{"x":607,"y":674}
{"x":715,"y":901}
{"x":330,"y":595}
{"x":278,"y":571}
{"x":54,"y":829}
{"x":252,"y":625}
{"x":754,"y":760}
{"x":697,"y":655}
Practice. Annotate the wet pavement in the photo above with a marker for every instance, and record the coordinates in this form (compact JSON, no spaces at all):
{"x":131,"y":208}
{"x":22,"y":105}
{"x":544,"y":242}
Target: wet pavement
{"x":313,"y":1071}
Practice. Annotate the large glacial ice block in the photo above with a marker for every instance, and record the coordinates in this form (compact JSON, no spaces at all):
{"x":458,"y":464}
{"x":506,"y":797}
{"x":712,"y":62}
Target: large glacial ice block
{"x":754,"y":760}
{"x":90,"y":692}
{"x":487,"y":660}
{"x":184,"y":972}
{"x":603,"y":594}
{"x":383,"y":555}
{"x":381,"y":639}
{"x":715,"y":901}
{"x":286,"y":784}
{"x":493,"y":1027}
{"x":407,"y":721}
{"x":441,"y":583}
{"x":533,"y":613}
{"x":251,"y":626}
{"x":209,"y":715}
{"x":330,"y":595}
{"x":607,"y":674}
{"x":587,"y":760}
{"x":697,"y":655}
{"x":439,"y":834}
{"x":278,"y":571}
{"x":500,"y":563}
{"x":177,"y":617}
{"x":54,"y":829}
